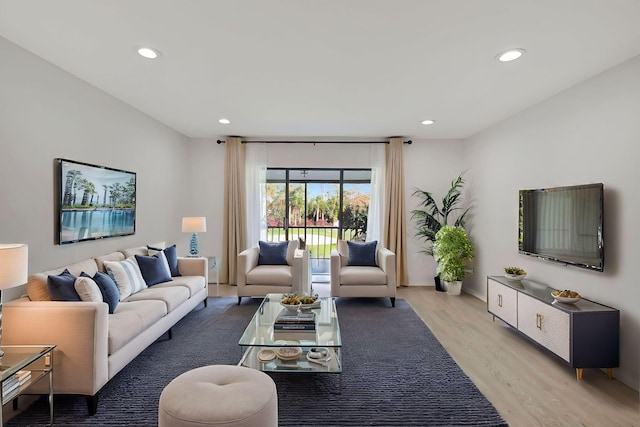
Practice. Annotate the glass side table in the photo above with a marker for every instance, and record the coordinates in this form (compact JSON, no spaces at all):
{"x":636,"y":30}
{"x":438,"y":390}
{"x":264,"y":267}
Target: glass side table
{"x":37,"y":359}
{"x":213,"y":264}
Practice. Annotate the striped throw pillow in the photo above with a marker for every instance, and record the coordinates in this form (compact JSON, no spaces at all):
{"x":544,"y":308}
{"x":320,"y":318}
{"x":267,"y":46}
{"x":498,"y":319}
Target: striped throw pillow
{"x":127,"y":276}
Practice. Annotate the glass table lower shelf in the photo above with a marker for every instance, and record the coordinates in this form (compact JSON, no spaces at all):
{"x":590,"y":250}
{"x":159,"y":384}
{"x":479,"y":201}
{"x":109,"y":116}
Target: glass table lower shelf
{"x":332,"y":364}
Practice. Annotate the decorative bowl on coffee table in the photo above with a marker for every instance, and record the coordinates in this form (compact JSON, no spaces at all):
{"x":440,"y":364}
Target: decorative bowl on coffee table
{"x":292,"y":308}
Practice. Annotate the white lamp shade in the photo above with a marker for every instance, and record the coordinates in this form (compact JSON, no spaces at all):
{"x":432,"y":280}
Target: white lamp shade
{"x":194,"y":224}
{"x":14,"y":265}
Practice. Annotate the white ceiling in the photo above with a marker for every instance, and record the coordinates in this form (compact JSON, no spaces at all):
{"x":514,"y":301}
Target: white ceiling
{"x":330,"y":69}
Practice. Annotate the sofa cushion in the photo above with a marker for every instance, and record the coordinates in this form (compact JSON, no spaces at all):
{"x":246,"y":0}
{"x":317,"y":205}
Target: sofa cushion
{"x":276,"y":275}
{"x":89,"y":266}
{"x":108,"y":289}
{"x":138,"y":250}
{"x":273,"y":253}
{"x":172,"y":258}
{"x":131,"y":319}
{"x":37,"y":284}
{"x":193,"y":283}
{"x":362,"y":254}
{"x":87,"y":289}
{"x":61,"y":287}
{"x":154,"y":268}
{"x":127,"y":276}
{"x":113,"y":256}
{"x":172,"y":296}
{"x":37,"y":287}
{"x":358,"y":275}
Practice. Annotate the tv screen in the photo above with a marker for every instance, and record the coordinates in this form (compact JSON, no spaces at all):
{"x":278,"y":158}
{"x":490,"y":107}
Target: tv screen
{"x":563,"y":224}
{"x":94,"y":202}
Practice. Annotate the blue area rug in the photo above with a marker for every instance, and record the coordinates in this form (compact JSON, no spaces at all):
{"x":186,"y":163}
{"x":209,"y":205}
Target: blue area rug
{"x":395,"y":373}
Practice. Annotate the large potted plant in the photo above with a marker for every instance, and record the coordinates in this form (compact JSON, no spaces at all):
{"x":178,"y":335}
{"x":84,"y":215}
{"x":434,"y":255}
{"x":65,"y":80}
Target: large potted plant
{"x":430,"y":218}
{"x":452,"y":248}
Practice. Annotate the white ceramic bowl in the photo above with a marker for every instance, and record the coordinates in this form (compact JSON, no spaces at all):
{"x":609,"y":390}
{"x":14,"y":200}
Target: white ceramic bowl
{"x":516,"y":277}
{"x":565,"y":300}
{"x":291,"y":307}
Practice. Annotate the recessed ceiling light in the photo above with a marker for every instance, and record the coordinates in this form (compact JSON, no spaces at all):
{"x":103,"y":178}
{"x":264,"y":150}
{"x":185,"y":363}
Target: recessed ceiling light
{"x":148,"y":53}
{"x":224,"y":121}
{"x":428,"y":122}
{"x":510,"y":55}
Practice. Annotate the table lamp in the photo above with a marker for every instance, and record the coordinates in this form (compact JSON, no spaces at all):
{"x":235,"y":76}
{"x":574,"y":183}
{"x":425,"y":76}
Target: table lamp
{"x":13,"y":271}
{"x":195,"y":225}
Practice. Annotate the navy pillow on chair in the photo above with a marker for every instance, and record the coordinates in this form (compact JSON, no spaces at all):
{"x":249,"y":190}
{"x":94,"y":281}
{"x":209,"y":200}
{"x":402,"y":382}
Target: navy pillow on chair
{"x":61,"y":287}
{"x":109,"y":289}
{"x":273,"y":253}
{"x":153,"y":269}
{"x":362,"y":254}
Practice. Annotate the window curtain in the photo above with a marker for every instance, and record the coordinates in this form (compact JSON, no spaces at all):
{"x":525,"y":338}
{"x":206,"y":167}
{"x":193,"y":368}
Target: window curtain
{"x":234,"y":231}
{"x":256,"y":182}
{"x":375,"y":216}
{"x":395,"y":228}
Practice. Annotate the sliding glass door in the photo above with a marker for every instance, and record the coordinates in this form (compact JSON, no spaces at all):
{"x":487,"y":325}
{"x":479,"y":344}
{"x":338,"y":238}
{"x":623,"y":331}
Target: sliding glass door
{"x":319,"y":206}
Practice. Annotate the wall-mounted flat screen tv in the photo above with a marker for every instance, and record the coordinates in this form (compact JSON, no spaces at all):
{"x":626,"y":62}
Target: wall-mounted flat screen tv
{"x":94,"y":202}
{"x":564,"y":224}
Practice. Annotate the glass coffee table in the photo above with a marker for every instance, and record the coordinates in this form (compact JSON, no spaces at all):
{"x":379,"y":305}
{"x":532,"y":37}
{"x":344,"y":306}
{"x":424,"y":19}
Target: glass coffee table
{"x":259,"y":337}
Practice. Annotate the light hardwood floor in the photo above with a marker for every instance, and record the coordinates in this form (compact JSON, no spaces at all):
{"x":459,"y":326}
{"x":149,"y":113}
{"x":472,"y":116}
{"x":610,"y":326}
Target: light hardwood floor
{"x":526,"y":384}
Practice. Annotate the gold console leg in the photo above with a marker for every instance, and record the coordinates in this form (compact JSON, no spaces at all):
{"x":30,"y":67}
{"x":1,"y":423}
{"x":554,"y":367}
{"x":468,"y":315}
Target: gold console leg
{"x":610,"y":373}
{"x":578,"y":374}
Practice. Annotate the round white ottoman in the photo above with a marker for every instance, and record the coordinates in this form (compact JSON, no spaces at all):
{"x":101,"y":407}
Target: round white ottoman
{"x":219,"y":395}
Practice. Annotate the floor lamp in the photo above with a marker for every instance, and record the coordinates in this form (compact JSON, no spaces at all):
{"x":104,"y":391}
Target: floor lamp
{"x":13,"y":271}
{"x":195,"y":225}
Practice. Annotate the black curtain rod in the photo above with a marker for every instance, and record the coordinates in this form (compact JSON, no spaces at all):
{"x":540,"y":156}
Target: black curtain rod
{"x":316,"y":142}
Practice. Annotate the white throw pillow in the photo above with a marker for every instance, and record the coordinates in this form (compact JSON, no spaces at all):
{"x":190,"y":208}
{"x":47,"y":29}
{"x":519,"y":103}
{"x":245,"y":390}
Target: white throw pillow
{"x":127,"y":276}
{"x":87,"y":289}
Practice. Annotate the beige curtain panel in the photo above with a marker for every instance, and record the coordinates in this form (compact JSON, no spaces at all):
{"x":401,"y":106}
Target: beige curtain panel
{"x":234,"y":231}
{"x":395,"y":228}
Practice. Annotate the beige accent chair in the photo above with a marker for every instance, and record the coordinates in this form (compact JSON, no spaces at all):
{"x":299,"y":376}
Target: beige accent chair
{"x":360,"y":281}
{"x":255,"y":280}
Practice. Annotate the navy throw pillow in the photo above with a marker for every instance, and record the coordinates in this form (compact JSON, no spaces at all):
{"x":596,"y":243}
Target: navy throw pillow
{"x":172,"y":258}
{"x":273,"y":253}
{"x":362,"y":254}
{"x":61,"y":287}
{"x":153,"y":269}
{"x":108,"y":288}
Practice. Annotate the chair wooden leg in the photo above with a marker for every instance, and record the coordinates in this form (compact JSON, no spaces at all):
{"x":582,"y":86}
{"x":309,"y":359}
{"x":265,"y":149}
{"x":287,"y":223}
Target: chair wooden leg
{"x":239,"y":299}
{"x":393,"y":301}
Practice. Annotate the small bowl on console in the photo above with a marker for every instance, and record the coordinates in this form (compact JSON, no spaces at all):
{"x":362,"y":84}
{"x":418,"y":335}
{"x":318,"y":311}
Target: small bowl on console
{"x":514,"y":273}
{"x":566,"y":297}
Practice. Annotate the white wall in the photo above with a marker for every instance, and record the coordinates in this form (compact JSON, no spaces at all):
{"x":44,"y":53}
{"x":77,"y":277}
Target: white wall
{"x":430,"y":165}
{"x":589,"y":133}
{"x":206,"y":163}
{"x":47,"y":113}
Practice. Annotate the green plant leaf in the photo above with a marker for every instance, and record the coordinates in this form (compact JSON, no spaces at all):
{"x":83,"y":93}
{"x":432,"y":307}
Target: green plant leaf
{"x":430,"y":219}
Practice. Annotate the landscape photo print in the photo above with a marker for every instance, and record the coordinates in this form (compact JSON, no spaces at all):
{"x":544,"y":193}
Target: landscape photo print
{"x":94,"y":202}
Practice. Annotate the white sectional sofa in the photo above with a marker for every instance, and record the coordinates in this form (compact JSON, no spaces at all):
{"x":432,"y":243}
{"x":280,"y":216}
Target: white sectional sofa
{"x":92,"y":346}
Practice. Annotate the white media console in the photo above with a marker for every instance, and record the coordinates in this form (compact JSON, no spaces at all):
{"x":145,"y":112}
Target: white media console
{"x":584,"y":334}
